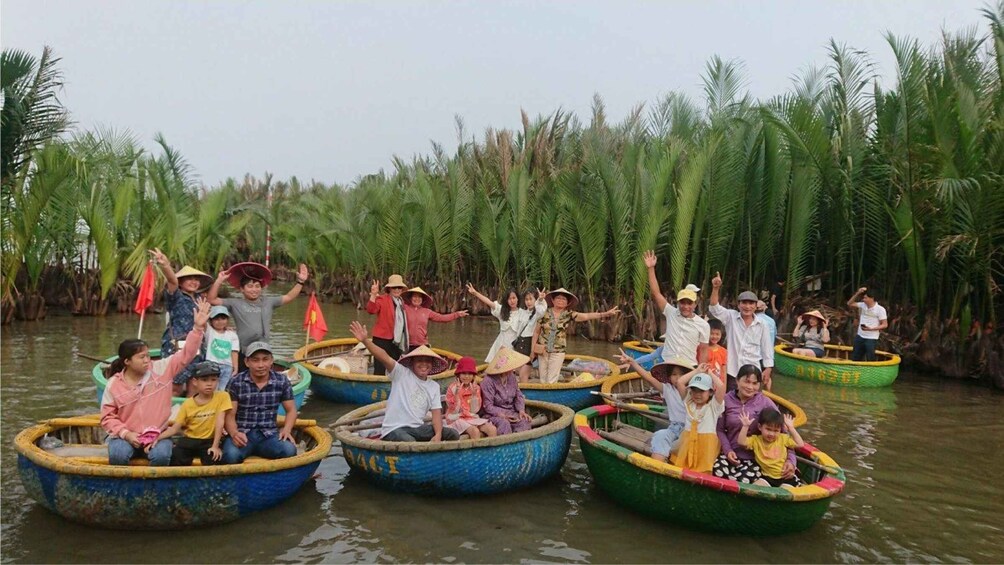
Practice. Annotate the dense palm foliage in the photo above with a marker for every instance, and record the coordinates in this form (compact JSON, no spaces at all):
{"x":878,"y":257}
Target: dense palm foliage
{"x":900,"y":189}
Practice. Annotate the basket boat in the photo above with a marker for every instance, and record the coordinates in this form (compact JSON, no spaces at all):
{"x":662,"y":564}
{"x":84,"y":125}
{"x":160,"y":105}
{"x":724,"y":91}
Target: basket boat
{"x":632,"y":382}
{"x":76,"y":481}
{"x":358,"y":386}
{"x":299,"y":387}
{"x":466,"y":467}
{"x":836,"y":369}
{"x":698,"y":500}
{"x":576,"y":394}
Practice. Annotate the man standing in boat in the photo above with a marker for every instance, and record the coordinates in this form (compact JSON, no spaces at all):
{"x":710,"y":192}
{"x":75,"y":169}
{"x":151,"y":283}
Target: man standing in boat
{"x":872,"y":319}
{"x":748,"y":337}
{"x":687,"y":334}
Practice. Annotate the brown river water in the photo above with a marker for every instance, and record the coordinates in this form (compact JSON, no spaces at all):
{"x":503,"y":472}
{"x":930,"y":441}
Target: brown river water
{"x":922,"y":460}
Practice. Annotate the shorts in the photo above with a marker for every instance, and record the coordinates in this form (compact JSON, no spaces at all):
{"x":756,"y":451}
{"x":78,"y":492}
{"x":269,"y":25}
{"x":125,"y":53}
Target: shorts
{"x":665,"y":441}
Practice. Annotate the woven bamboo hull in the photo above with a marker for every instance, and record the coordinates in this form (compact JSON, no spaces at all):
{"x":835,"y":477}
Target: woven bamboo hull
{"x":299,"y":389}
{"x":839,"y":372}
{"x":632,"y":382}
{"x":358,"y":388}
{"x":574,"y":395}
{"x":697,"y":500}
{"x":158,"y":498}
{"x":467,"y":467}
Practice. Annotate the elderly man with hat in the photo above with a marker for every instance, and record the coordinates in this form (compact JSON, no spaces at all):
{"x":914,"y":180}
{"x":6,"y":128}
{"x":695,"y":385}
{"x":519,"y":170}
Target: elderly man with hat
{"x":687,"y":334}
{"x":256,"y":394}
{"x":412,"y":393}
{"x":252,"y":312}
{"x":390,"y":332}
{"x":749,"y":337}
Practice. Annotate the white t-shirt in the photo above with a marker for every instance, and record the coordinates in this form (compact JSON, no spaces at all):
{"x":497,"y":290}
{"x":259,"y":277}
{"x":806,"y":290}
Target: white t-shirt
{"x":410,"y":400}
{"x":870,"y":317}
{"x":683,"y":335}
{"x":219,"y":345}
{"x":675,"y":410}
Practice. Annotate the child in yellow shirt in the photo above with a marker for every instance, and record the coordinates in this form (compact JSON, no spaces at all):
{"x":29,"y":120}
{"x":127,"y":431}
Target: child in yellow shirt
{"x":771,"y":447}
{"x":202,"y":418}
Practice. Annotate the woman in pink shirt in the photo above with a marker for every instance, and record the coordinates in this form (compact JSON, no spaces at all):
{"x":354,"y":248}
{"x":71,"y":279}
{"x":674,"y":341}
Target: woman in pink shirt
{"x":417,"y":311}
{"x":137,"y":401}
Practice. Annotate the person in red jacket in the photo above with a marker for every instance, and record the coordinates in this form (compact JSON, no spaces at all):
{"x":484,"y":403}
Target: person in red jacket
{"x":418,"y":313}
{"x":390,"y":332}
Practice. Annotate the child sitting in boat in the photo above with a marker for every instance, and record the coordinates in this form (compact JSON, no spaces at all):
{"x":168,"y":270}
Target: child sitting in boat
{"x":412,"y":393}
{"x":663,"y":378}
{"x":718,"y":356}
{"x":771,"y":447}
{"x":704,"y":398}
{"x":463,"y":402}
{"x":137,"y":401}
{"x":202,"y":418}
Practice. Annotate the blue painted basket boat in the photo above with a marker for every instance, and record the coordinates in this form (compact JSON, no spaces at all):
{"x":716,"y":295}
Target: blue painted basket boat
{"x":466,"y":467}
{"x":574,"y":394}
{"x":76,"y":481}
{"x":299,"y":388}
{"x":357,"y":386}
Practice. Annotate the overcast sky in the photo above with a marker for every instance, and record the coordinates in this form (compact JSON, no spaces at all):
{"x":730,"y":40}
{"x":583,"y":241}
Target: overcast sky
{"x":332,"y":90}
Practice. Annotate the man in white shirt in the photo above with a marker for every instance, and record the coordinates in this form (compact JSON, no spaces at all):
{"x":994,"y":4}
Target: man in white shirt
{"x":749,"y":340}
{"x":687,"y":334}
{"x":872,"y":320}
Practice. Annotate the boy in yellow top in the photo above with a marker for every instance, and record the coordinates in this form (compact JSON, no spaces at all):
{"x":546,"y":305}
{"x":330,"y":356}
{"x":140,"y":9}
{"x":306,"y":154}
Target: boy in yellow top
{"x":771,"y":447}
{"x":202,"y":417}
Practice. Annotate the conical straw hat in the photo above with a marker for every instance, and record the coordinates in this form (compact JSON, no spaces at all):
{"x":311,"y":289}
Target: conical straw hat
{"x":187,"y":271}
{"x":506,"y":360}
{"x":426,"y":299}
{"x":438,"y":363}
{"x":572,"y":299}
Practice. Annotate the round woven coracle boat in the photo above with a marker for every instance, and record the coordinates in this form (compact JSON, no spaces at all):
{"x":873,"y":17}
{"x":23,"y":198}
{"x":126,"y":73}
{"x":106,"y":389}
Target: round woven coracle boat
{"x":465,"y":467}
{"x":358,"y":386}
{"x":836,"y":368}
{"x":299,"y":377}
{"x":75,"y":480}
{"x":633,"y":383}
{"x":698,"y":500}
{"x":574,"y":390}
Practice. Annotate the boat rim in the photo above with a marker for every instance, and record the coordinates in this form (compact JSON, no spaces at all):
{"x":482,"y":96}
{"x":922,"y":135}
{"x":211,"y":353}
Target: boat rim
{"x":304,"y":352}
{"x":26,"y":446}
{"x":893,"y":359}
{"x":564,"y":420}
{"x":834,"y":482}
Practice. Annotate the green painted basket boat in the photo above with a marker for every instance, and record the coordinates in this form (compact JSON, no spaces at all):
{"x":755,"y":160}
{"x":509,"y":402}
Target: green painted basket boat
{"x":836,"y":369}
{"x":698,"y":500}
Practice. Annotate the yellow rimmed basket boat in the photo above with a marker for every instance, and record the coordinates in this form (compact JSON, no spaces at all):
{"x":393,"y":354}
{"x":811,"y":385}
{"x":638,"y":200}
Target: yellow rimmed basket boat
{"x":75,"y":480}
{"x":574,"y":393}
{"x":466,"y":467}
{"x":836,"y":368}
{"x":357,"y":386}
{"x":633,"y":383}
{"x":698,"y":500}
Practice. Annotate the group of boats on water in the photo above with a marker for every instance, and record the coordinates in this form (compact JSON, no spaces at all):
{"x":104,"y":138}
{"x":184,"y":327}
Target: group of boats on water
{"x":63,"y":462}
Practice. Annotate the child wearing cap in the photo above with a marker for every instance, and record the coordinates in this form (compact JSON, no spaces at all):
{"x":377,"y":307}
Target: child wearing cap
{"x":771,"y":447}
{"x":412,"y":394}
{"x":222,"y":344}
{"x":704,"y":398}
{"x":463,"y":402}
{"x":202,"y":417}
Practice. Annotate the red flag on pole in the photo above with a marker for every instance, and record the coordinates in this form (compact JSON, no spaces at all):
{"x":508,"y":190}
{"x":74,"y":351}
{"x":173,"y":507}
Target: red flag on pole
{"x":313,"y":321}
{"x":144,"y":298}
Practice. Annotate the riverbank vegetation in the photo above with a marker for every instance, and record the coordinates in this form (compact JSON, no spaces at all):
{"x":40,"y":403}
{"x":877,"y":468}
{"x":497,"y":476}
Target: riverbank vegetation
{"x":840,"y":178}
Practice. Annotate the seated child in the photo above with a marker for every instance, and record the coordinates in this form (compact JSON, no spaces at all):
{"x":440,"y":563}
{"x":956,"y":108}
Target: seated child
{"x":412,"y":393}
{"x":663,"y":378}
{"x":222,"y":344}
{"x":717,"y":354}
{"x":705,"y":402}
{"x":463,"y":401}
{"x":771,"y":447}
{"x":202,"y":418}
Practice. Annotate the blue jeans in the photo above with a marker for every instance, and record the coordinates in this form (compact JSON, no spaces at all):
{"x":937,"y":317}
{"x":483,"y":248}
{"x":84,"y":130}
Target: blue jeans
{"x":121,"y":451}
{"x":864,"y":349}
{"x":270,"y":447}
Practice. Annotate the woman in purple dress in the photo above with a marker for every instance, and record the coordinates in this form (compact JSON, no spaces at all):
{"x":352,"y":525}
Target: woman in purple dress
{"x":502,"y":401}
